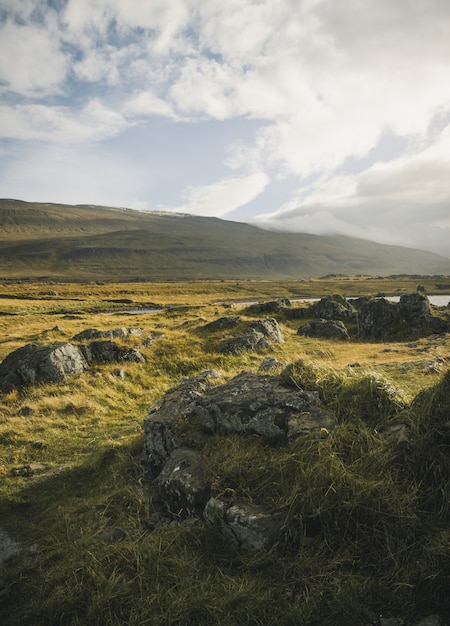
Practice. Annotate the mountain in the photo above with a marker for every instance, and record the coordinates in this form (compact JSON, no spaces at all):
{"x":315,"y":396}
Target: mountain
{"x":103,"y":243}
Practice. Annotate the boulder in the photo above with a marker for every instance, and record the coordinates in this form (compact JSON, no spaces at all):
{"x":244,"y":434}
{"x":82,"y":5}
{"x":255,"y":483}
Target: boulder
{"x":326,"y":329}
{"x":115,"y":333}
{"x":274,"y":306}
{"x":410,"y":318}
{"x":178,"y":426}
{"x":250,"y":341}
{"x":37,"y":363}
{"x":260,"y":405}
{"x":182,"y":484}
{"x":334,"y":307}
{"x":103,"y":352}
{"x":161,"y":431}
{"x":246,"y":526}
{"x":222,"y":323}
{"x":256,"y":336}
{"x":377,"y":318}
{"x":134,"y":356}
{"x":270,"y":364}
{"x":269,"y":328}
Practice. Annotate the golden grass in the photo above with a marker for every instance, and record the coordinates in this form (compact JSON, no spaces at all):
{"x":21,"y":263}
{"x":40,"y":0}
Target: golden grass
{"x":82,"y":438}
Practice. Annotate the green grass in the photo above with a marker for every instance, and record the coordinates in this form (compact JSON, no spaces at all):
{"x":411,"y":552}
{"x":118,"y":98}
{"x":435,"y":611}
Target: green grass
{"x":365,"y":522}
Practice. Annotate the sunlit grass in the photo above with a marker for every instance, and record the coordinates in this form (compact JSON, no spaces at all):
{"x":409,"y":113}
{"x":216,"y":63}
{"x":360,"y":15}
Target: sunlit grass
{"x":382,"y":529}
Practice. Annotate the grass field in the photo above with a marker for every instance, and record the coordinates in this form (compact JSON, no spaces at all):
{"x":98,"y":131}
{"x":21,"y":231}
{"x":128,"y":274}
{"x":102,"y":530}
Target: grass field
{"x":70,"y":474}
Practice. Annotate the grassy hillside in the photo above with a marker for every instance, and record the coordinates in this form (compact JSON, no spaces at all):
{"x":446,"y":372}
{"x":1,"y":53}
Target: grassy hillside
{"x":82,"y":243}
{"x":75,"y":497}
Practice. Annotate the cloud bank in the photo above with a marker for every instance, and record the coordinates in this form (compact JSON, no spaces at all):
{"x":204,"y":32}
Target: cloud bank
{"x":305,"y":115}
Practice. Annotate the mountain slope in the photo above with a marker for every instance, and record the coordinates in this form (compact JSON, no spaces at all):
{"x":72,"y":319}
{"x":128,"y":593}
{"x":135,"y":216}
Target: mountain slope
{"x":101,"y":243}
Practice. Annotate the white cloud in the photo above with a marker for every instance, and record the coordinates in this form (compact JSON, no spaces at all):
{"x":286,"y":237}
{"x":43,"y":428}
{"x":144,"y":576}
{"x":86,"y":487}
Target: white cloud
{"x":31,"y":60}
{"x":404,"y":202}
{"x":59,"y":124}
{"x":223,"y":197}
{"x":145,"y":103}
{"x":325,"y":81}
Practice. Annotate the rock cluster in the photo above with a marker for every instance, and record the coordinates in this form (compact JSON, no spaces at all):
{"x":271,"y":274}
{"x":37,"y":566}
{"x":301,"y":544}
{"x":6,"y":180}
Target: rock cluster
{"x":327,"y":329}
{"x":178,"y":426}
{"x":255,"y":336}
{"x":273,"y":306}
{"x":376,"y":318}
{"x":334,"y":307}
{"x":37,"y":363}
{"x":411,"y":317}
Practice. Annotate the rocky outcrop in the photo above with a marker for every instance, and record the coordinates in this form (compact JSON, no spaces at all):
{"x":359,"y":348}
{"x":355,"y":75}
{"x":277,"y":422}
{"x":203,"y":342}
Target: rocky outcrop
{"x":115,"y":333}
{"x":252,"y":404}
{"x":334,"y":307}
{"x":255,"y":336}
{"x":182,"y":483}
{"x":411,"y":318}
{"x":377,"y":318}
{"x":326,"y":329}
{"x":269,"y":328}
{"x":245,"y":525}
{"x":36,"y":363}
{"x":273,"y":306}
{"x":163,"y":426}
{"x":184,"y":420}
{"x":223,"y":323}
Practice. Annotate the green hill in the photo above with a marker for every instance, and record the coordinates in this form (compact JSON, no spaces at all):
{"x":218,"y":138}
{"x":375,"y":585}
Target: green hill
{"x":104,"y":243}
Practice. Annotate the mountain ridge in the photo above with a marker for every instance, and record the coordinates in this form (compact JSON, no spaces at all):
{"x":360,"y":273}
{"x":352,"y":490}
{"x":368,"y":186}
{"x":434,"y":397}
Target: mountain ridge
{"x":89,"y":242}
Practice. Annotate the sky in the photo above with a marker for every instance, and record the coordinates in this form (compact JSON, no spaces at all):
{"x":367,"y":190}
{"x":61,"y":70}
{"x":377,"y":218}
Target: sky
{"x":316,"y":116}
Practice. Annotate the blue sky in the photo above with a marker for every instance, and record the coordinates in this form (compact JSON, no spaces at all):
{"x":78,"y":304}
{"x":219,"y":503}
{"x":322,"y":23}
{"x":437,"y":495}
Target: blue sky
{"x":304,"y":115}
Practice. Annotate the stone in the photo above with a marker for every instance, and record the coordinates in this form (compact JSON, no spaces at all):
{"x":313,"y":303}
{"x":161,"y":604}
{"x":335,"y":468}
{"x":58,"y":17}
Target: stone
{"x":160,"y":426}
{"x":250,"y":341}
{"x":260,"y":405}
{"x":182,"y":484}
{"x":8,"y":547}
{"x":334,"y":307}
{"x":326,"y":329}
{"x":178,"y":426}
{"x":246,"y":526}
{"x":270,"y":328}
{"x":37,"y":363}
{"x":256,"y":336}
{"x":273,"y":306}
{"x":270,"y":364}
{"x":377,"y":318}
{"x":222,"y":323}
{"x":115,"y":333}
{"x":26,"y":411}
{"x":103,"y":352}
{"x":410,"y":318}
{"x":331,"y":307}
{"x":133,"y":356}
